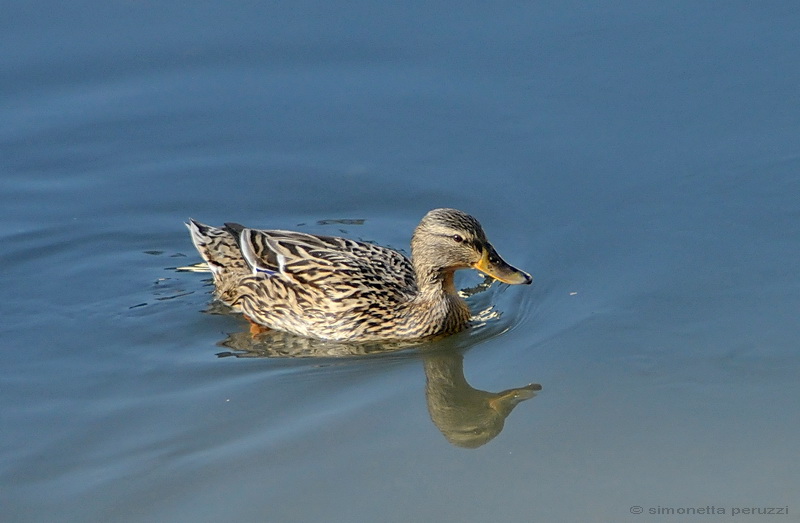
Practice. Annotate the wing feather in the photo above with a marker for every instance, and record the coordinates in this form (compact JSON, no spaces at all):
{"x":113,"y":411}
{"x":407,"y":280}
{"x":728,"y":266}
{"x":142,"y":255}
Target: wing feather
{"x":335,"y":265}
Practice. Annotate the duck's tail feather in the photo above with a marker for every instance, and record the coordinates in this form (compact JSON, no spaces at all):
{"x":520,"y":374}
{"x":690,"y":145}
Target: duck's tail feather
{"x":219,"y":248}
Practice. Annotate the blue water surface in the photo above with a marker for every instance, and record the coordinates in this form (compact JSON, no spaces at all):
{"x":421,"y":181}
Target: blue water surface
{"x":640,"y":159}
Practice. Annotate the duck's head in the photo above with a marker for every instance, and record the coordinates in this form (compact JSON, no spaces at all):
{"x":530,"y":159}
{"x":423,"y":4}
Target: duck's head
{"x":448,"y":239}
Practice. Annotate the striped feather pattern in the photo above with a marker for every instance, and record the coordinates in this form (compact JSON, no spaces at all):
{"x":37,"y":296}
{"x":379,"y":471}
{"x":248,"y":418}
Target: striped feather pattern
{"x":340,"y":289}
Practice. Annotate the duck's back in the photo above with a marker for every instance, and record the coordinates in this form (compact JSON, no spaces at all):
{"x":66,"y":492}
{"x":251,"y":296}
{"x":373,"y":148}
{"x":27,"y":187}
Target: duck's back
{"x":319,"y":286}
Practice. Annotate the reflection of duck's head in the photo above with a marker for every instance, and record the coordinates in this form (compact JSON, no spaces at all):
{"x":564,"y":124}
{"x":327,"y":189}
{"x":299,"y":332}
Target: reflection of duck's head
{"x":467,"y":417}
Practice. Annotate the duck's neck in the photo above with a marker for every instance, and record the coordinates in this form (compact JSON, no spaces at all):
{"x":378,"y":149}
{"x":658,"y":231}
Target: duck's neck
{"x":438,"y":301}
{"x":432,"y":281}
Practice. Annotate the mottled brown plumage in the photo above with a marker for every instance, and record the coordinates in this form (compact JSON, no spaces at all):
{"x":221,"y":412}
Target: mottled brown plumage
{"x":340,"y":289}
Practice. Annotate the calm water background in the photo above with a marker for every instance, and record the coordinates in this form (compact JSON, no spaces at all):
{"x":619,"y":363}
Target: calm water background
{"x":640,"y":159}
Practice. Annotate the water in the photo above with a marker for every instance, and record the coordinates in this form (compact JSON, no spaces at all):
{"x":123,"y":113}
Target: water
{"x":639,"y":159}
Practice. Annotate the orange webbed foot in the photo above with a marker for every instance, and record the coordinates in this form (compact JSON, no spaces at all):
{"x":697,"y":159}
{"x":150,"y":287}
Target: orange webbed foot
{"x":255,"y":328}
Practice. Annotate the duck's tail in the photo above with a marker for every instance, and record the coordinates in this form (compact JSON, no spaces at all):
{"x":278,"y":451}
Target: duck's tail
{"x":219,"y":248}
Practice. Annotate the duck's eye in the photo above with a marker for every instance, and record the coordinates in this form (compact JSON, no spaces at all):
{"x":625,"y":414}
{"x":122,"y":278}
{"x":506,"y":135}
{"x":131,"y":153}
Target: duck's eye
{"x":457,"y":238}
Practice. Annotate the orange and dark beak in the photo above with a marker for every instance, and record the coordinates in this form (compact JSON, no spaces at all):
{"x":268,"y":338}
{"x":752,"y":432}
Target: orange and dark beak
{"x":493,"y":265}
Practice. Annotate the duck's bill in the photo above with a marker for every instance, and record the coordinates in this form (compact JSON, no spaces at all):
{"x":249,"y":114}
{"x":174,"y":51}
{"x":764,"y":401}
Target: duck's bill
{"x":493,"y":265}
{"x":505,"y":401}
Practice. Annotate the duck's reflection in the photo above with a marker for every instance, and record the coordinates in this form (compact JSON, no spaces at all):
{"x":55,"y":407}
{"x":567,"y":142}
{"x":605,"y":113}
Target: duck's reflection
{"x":467,"y":417}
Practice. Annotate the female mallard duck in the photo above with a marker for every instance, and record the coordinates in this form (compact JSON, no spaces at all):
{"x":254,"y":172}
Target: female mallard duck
{"x":340,"y":289}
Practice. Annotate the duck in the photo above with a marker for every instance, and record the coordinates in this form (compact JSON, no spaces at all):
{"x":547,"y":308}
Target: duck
{"x":340,"y":289}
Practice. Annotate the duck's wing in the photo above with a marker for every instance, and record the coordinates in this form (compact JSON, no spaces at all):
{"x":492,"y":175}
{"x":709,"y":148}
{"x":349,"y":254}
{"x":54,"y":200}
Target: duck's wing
{"x":326,"y":262}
